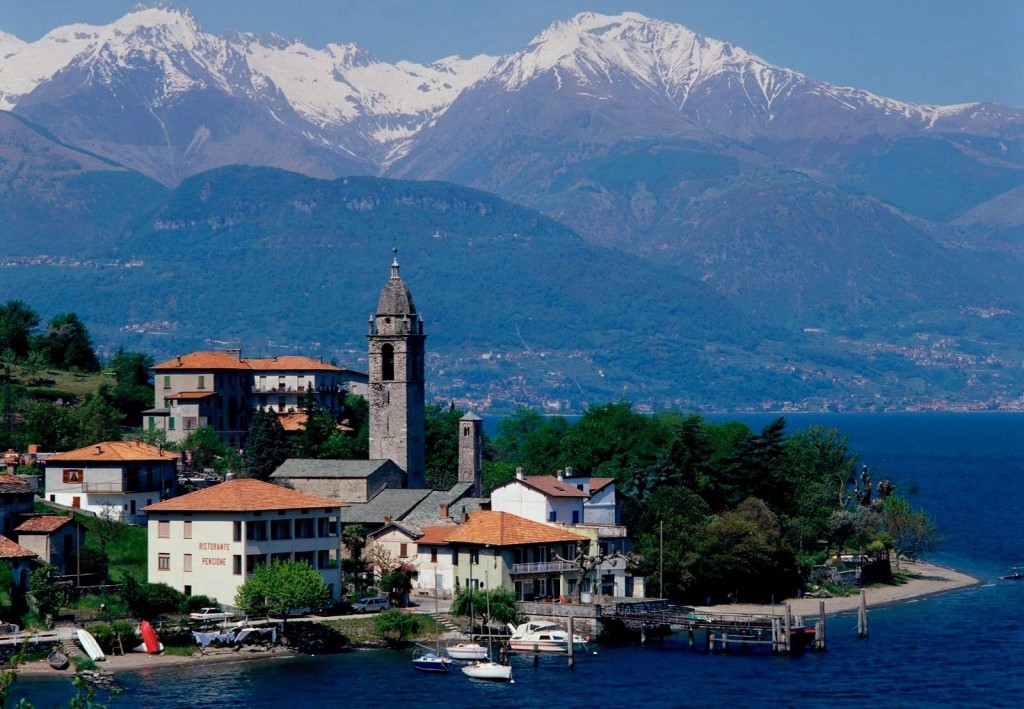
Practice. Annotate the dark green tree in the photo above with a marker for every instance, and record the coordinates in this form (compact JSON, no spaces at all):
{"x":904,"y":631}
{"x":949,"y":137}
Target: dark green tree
{"x":16,"y":323}
{"x":208,"y":451}
{"x":442,"y":445}
{"x":66,"y":344}
{"x":281,"y":587}
{"x":266,"y":446}
{"x":133,"y":392}
{"x":312,"y":440}
{"x":53,"y":427}
{"x":47,"y":595}
{"x":99,"y":420}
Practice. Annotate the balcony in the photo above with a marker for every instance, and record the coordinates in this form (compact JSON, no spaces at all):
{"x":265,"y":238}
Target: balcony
{"x":543,"y":567}
{"x":292,"y":389}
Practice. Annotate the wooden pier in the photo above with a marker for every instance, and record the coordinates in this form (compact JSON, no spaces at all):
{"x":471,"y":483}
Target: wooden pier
{"x":780,"y":631}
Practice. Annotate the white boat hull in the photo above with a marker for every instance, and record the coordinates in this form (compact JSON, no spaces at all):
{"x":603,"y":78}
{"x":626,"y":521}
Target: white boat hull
{"x":91,"y":647}
{"x":466,"y":651}
{"x":491,"y":671}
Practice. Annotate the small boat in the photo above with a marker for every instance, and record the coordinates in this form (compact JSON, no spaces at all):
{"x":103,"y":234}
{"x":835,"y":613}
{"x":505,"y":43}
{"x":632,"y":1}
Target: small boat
{"x":431,"y":662}
{"x":466,"y":651}
{"x":89,"y":644}
{"x":58,"y":660}
{"x":149,"y":640}
{"x":488,"y":670}
{"x":543,"y":637}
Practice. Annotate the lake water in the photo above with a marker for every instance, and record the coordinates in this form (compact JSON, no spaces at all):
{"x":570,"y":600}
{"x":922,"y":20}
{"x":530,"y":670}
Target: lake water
{"x":961,"y":649}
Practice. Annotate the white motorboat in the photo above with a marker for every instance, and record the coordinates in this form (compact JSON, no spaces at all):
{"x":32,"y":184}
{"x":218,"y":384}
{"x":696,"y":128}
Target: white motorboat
{"x":543,"y":637}
{"x":488,"y":670}
{"x":466,"y":651}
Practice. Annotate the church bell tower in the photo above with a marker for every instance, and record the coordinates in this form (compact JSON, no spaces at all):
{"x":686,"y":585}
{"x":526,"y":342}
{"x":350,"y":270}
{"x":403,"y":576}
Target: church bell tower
{"x":396,"y":386}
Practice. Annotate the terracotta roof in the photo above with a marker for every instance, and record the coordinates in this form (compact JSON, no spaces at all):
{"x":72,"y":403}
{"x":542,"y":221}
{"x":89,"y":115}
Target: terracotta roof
{"x":191,"y":395}
{"x":503,"y":529}
{"x":244,"y":495}
{"x":435,"y":535}
{"x":44,"y":524}
{"x":204,"y":360}
{"x":599,"y":484}
{"x":14,"y":484}
{"x":292,"y":363}
{"x":553,"y":487}
{"x":118,"y":451}
{"x":223,"y":360}
{"x":12,"y":550}
{"x":295,"y":421}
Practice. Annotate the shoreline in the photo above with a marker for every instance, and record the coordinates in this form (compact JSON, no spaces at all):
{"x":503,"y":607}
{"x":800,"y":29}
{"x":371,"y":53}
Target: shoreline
{"x":926,"y":580}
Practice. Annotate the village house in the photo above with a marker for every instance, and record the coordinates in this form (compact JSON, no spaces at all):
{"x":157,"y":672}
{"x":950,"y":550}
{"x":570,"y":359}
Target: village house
{"x":587,"y":506}
{"x":498,"y":549}
{"x":223,"y":389}
{"x":21,"y":562}
{"x":55,"y":539}
{"x":17,"y":498}
{"x":115,"y":479}
{"x":209,"y":542}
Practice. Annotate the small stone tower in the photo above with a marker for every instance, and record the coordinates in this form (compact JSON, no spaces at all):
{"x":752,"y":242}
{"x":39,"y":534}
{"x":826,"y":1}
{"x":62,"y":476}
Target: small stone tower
{"x":471,"y":446}
{"x":396,"y":386}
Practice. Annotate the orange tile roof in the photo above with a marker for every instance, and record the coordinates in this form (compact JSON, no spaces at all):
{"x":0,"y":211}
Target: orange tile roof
{"x":292,"y":363}
{"x":503,"y":529}
{"x":599,"y":484}
{"x":296,"y":420}
{"x":191,"y":395}
{"x":12,"y":550}
{"x":435,"y":535}
{"x":224,"y":360}
{"x":44,"y":524}
{"x":553,"y":487}
{"x":204,"y":360}
{"x":245,"y":495}
{"x":113,"y":451}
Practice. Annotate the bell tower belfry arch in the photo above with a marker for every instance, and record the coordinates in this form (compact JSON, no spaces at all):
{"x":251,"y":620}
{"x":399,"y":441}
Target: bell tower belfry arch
{"x":396,"y":380}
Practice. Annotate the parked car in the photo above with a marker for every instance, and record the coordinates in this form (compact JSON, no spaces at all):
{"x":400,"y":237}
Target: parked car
{"x":371,"y":605}
{"x":339,"y":607}
{"x":211,"y":615}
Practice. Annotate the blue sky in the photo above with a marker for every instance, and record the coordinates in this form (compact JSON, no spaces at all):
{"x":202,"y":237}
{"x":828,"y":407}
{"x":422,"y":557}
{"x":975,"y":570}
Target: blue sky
{"x":927,"y":51}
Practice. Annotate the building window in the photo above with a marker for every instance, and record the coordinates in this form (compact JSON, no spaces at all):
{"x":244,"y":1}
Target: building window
{"x":163,"y":562}
{"x":73,"y":476}
{"x":167,"y":382}
{"x":163,"y":529}
{"x":170,"y":423}
{"x":387,"y":363}
{"x":152,"y":423}
{"x":188,"y":529}
{"x":236,"y":564}
{"x":186,"y":564}
{"x":188,"y":590}
{"x":433,"y":555}
{"x":552,"y":516}
{"x":575,"y":516}
{"x":202,"y":382}
{"x":474,"y":556}
{"x":403,"y":550}
{"x":236,"y":531}
{"x":281,"y":529}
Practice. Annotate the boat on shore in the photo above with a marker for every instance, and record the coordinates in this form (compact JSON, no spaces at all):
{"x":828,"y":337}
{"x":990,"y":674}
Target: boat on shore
{"x":58,"y":660}
{"x":89,"y":644}
{"x":543,"y":637}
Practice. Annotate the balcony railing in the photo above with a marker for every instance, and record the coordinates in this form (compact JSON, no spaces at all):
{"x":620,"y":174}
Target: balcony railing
{"x":291,"y":389}
{"x":543,"y":567}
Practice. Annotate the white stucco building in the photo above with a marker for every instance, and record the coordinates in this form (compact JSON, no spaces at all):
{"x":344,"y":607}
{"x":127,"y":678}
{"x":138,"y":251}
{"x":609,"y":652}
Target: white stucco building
{"x":209,"y":542}
{"x":115,"y":479}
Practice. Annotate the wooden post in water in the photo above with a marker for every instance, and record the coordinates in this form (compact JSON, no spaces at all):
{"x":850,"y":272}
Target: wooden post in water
{"x":707,"y":639}
{"x":786,"y":636}
{"x":775,"y":634}
{"x":819,"y":629}
{"x":689,"y":636}
{"x":862,"y":615}
{"x":571,"y":644}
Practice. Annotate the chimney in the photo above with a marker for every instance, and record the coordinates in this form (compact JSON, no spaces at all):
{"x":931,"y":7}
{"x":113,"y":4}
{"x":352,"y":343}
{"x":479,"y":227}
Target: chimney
{"x":465,"y":515}
{"x":387,"y":519}
{"x":179,"y":360}
{"x":443,"y":513}
{"x":560,"y":475}
{"x":99,"y":450}
{"x":568,"y":471}
{"x":519,"y":473}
